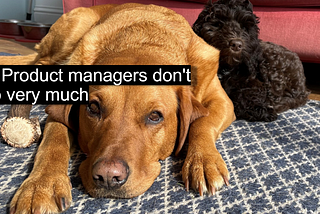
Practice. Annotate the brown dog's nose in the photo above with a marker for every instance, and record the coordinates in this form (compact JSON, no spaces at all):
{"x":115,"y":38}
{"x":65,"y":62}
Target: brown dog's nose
{"x":236,"y":45}
{"x":110,"y":174}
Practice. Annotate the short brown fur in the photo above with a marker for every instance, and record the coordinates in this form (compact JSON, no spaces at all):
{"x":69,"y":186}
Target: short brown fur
{"x":127,"y":34}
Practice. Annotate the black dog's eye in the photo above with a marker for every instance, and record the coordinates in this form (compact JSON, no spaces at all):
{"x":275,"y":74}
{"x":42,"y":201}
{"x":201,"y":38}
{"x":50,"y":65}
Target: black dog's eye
{"x":216,"y":24}
{"x":155,"y":117}
{"x":211,"y":26}
{"x":93,"y":108}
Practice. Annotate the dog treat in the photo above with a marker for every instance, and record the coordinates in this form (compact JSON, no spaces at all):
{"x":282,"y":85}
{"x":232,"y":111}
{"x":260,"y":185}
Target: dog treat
{"x":18,"y":130}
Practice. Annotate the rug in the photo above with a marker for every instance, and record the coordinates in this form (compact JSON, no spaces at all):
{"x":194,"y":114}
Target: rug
{"x":7,"y":54}
{"x":274,"y":168}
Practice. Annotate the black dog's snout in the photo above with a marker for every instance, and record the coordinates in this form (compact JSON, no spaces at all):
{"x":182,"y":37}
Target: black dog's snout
{"x":110,"y":174}
{"x":236,"y":45}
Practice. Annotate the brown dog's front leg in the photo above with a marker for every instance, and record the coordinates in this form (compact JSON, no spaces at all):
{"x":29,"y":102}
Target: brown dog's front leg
{"x":48,"y":187}
{"x":18,"y":130}
{"x":204,"y":169}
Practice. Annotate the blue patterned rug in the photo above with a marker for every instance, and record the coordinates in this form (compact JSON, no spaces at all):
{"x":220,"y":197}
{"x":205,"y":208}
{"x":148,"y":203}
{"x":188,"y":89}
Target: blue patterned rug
{"x":274,"y":168}
{"x":7,"y":54}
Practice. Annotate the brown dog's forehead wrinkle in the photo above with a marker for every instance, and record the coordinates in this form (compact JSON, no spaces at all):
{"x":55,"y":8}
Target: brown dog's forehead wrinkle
{"x":154,"y":97}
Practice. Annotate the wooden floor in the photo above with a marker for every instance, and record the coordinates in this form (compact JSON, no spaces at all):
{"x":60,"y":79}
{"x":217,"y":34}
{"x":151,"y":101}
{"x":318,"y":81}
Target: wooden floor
{"x":315,"y":92}
{"x":14,"y":47}
{"x":312,"y":71}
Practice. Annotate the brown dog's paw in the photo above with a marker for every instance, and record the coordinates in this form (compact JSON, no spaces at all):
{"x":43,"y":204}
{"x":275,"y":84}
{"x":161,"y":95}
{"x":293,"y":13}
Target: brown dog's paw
{"x":43,"y":194}
{"x":205,"y":172}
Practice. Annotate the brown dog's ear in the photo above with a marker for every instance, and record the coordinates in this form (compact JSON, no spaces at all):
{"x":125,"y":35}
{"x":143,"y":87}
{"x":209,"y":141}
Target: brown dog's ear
{"x":190,"y":109}
{"x":63,"y":114}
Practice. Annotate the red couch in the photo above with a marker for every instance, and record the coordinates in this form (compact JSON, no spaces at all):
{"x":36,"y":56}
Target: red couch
{"x":291,"y":23}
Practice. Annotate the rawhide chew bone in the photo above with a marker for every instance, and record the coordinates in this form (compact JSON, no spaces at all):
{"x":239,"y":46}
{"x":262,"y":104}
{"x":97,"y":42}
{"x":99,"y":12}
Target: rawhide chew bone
{"x":18,"y":130}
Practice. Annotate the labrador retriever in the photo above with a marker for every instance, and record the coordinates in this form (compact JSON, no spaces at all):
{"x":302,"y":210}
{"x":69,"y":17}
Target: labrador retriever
{"x":126,"y":130}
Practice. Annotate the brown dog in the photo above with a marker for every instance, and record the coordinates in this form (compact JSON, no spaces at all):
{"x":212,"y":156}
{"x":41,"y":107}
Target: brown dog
{"x":125,"y":130}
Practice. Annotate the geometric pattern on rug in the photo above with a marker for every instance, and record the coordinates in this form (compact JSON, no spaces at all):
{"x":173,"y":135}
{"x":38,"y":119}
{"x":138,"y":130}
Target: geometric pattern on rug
{"x":274,"y":168}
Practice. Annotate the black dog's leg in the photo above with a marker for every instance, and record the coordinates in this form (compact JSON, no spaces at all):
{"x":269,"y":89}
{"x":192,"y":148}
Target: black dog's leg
{"x":257,"y":113}
{"x":252,"y":104}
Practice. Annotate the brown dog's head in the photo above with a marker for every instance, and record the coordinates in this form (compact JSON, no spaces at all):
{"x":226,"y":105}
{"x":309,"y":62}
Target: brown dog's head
{"x":125,"y":131}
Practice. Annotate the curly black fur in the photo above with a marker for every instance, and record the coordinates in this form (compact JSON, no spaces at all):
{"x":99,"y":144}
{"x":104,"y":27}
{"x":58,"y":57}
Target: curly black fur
{"x":261,"y":78}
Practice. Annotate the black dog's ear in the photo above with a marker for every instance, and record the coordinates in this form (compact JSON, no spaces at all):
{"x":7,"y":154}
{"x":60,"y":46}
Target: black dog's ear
{"x":248,"y":5}
{"x":66,"y":114}
{"x":190,"y":109}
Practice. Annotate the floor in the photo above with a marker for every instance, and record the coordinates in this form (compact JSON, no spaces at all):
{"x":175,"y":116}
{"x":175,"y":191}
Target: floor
{"x":14,"y":47}
{"x":312,"y":71}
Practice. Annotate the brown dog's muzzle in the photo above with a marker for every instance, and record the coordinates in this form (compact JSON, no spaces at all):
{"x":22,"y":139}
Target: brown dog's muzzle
{"x":110,"y":174}
{"x":124,"y":175}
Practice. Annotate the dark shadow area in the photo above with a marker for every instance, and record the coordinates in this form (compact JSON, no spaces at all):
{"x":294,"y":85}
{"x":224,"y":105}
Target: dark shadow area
{"x":312,"y":72}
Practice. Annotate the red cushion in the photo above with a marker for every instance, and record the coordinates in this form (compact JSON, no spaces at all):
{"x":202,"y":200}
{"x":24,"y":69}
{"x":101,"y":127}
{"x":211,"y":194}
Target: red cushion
{"x":199,"y":1}
{"x":297,"y":29}
{"x":286,"y":3}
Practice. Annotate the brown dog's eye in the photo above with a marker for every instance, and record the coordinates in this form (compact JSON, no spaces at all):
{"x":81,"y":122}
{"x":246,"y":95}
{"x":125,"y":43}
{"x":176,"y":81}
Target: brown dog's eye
{"x":93,"y":108}
{"x":155,"y":117}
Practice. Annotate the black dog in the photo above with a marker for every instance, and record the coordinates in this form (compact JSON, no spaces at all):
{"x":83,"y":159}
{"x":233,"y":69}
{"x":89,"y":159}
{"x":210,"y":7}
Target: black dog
{"x":261,"y":78}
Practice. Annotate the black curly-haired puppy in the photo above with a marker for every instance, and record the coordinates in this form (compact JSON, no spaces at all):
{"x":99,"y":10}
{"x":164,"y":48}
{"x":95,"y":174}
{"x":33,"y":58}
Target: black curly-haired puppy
{"x":261,"y":78}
